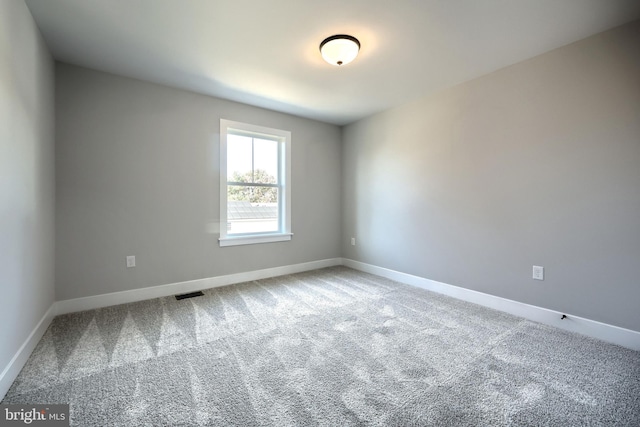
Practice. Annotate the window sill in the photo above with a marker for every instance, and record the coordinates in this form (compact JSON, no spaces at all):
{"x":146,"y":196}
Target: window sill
{"x":254,"y":239}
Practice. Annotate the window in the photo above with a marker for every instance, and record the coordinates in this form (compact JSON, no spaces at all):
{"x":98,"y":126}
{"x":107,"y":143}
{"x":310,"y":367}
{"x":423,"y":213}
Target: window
{"x":255,"y":184}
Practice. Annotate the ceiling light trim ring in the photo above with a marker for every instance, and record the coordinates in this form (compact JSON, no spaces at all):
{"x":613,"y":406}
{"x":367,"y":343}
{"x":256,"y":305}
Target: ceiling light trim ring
{"x":340,"y":36}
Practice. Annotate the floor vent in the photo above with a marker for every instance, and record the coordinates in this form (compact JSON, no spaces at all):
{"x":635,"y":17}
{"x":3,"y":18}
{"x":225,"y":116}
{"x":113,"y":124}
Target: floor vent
{"x":189,"y":295}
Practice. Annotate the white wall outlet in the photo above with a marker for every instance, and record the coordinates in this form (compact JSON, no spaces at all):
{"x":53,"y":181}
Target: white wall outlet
{"x":538,"y":272}
{"x":131,"y":261}
{"x":353,"y":241}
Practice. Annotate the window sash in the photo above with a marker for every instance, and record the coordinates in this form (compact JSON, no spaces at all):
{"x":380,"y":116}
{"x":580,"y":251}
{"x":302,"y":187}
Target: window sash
{"x":253,"y":184}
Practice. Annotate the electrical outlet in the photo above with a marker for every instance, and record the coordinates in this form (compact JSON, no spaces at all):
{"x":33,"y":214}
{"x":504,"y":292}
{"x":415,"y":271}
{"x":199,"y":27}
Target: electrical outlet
{"x":131,"y":261}
{"x":353,"y":241}
{"x":538,"y":272}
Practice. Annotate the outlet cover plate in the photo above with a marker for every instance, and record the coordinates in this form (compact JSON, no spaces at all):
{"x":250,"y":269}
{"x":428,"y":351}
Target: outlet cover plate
{"x":538,"y":272}
{"x":131,"y":261}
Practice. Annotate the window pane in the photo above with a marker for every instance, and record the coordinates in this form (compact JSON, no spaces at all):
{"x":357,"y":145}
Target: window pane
{"x":265,"y":161}
{"x":239,"y":158}
{"x":252,"y":194}
{"x":245,"y":214}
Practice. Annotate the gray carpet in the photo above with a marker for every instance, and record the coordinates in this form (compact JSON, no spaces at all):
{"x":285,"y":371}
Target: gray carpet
{"x":332,"y":347}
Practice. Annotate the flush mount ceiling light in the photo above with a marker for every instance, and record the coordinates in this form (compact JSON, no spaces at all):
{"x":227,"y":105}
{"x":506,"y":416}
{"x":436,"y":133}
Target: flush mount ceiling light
{"x":339,"y":49}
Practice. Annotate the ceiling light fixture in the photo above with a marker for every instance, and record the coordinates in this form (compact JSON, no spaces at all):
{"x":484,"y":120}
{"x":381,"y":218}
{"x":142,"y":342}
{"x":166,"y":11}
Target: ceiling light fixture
{"x":339,"y":49}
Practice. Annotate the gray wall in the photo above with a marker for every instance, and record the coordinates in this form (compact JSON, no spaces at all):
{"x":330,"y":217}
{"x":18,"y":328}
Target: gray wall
{"x":26,"y":178}
{"x":138,"y":175}
{"x":537,"y":163}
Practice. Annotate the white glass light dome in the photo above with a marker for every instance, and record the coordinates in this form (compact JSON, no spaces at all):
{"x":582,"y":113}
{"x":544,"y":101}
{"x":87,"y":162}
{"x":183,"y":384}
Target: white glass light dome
{"x":339,"y":49}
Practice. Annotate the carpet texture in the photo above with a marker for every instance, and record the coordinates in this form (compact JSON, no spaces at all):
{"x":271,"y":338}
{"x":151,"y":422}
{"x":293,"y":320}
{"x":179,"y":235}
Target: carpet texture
{"x":331,"y":347}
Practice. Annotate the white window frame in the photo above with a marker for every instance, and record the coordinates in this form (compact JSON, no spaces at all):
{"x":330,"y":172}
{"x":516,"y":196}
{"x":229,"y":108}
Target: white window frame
{"x":284,"y":180}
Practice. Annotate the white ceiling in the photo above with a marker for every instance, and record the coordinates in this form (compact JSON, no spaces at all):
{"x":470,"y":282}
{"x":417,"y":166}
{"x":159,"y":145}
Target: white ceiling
{"x":265,"y":52}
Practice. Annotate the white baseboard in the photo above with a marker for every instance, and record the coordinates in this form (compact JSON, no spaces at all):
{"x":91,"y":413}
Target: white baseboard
{"x":18,"y":361}
{"x":16,"y":364}
{"x":115,"y":298}
{"x":613,"y":334}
